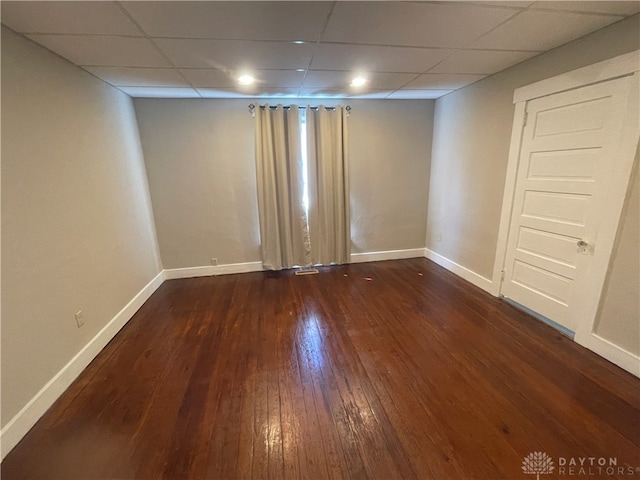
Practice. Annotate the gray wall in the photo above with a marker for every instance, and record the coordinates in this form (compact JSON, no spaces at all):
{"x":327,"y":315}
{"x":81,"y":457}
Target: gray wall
{"x":390,"y":157}
{"x":468,"y":169}
{"x":77,"y":230}
{"x":621,"y":296}
{"x":199,"y":157}
{"x":200,"y":163}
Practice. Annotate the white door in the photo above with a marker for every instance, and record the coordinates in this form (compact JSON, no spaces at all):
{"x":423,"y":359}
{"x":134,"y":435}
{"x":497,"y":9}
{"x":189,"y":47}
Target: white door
{"x":567,"y":173}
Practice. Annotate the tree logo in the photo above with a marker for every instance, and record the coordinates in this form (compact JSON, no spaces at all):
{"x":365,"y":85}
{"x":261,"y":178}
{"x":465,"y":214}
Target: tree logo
{"x":537,"y":463}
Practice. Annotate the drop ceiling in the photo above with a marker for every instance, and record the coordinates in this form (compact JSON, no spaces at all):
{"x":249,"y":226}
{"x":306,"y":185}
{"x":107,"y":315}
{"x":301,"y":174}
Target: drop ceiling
{"x":301,"y":48}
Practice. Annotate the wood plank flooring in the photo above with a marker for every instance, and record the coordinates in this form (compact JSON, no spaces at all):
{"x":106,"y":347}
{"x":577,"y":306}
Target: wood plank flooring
{"x":387,"y":370}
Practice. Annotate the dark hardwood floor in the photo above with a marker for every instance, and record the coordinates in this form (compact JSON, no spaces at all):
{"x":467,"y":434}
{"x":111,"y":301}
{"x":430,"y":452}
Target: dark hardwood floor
{"x":382,"y":370}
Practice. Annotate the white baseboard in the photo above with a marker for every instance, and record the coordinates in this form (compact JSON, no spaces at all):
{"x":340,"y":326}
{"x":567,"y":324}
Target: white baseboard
{"x":387,"y":255}
{"x":22,"y":422}
{"x":615,"y":354}
{"x":207,"y":271}
{"x":463,"y":272}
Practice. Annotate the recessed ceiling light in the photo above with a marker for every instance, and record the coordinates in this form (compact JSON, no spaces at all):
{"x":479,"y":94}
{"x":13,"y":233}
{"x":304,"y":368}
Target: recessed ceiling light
{"x":358,"y":81}
{"x":298,"y":42}
{"x":245,"y":80}
{"x":299,"y":69}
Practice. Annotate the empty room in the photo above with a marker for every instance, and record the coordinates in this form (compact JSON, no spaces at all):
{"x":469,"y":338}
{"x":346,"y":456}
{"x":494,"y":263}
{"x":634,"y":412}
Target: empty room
{"x":313,"y":240}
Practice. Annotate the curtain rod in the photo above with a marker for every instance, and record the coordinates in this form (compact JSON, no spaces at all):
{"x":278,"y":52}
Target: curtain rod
{"x":252,"y":108}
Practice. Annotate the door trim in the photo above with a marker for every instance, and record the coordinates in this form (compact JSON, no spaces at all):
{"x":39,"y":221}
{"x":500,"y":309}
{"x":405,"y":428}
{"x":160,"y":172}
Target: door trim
{"x":620,"y":66}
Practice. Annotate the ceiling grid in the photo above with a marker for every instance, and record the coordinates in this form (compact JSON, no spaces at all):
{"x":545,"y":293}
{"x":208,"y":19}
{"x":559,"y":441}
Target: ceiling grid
{"x":303,"y":49}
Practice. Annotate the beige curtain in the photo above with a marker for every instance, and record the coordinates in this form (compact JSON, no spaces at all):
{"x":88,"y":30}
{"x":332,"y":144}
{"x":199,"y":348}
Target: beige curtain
{"x":328,"y":185}
{"x":283,"y":223}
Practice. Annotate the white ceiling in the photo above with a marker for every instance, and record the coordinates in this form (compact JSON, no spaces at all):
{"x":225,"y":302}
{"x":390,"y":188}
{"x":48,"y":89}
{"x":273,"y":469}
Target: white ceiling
{"x":302,"y":48}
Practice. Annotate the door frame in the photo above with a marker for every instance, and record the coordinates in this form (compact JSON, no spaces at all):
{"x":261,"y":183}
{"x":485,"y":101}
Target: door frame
{"x":620,"y":66}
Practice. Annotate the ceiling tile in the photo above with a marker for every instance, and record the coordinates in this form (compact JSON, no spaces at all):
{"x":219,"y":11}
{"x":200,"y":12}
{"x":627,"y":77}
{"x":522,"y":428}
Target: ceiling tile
{"x":104,"y":18}
{"x":340,"y":93}
{"x":277,"y":91}
{"x":505,"y":3}
{"x":339,"y":79}
{"x":160,"y":92}
{"x":412,"y":23}
{"x":370,"y":58}
{"x":524,"y":31}
{"x":480,"y":61}
{"x":99,"y":50}
{"x":200,"y":77}
{"x":209,"y":77}
{"x":139,"y":77}
{"x":612,"y":7}
{"x":237,"y":93}
{"x":279,"y":78}
{"x":232,"y":20}
{"x":236,"y":54}
{"x":418,"y":94}
{"x":222,"y":93}
{"x":322,"y":93}
{"x":372,"y":94}
{"x":443,"y":81}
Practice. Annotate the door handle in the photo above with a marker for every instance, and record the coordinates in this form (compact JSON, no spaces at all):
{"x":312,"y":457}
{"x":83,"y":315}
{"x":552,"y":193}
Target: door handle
{"x":583,"y":247}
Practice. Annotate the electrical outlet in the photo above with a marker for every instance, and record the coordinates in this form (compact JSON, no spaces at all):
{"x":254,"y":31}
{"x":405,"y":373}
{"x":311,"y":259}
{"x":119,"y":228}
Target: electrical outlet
{"x":80,"y":318}
{"x":214,"y":261}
